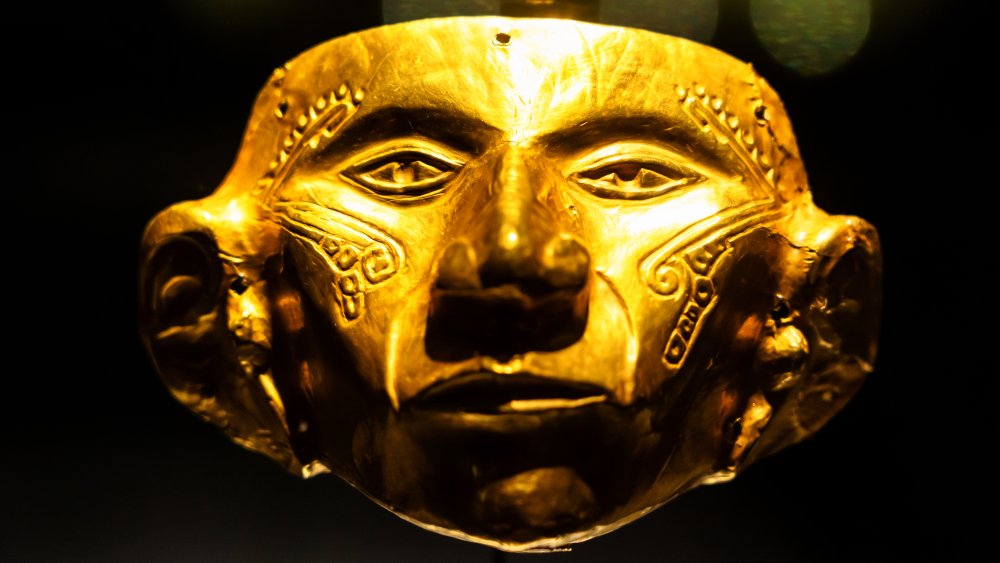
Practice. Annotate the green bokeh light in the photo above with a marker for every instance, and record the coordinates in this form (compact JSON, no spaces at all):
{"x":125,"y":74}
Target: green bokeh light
{"x":811,"y":36}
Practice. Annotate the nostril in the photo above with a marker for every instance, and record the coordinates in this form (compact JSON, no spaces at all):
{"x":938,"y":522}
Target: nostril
{"x":457,"y":268}
{"x":565,"y":262}
{"x":507,"y":305}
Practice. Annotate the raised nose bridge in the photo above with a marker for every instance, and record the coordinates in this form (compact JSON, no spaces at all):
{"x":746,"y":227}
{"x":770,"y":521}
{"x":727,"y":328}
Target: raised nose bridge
{"x":520,"y":240}
{"x":511,"y":227}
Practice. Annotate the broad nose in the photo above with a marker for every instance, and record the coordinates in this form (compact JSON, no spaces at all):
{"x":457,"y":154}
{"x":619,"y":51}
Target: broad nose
{"x":516,"y":280}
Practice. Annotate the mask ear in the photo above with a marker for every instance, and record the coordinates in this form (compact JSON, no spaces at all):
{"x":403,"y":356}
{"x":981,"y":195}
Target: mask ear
{"x":820,"y":341}
{"x":845,"y":285}
{"x":181,"y":311}
{"x":205,"y":318}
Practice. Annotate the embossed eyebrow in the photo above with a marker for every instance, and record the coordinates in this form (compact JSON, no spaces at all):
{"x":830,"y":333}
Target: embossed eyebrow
{"x":456,"y":130}
{"x":603,"y":130}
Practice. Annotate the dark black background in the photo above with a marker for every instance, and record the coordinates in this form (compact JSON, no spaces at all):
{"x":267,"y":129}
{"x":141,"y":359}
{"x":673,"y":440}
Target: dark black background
{"x":116,"y":112}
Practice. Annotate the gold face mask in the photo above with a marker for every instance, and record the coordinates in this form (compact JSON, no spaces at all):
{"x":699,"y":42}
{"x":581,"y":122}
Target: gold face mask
{"x":519,"y":281}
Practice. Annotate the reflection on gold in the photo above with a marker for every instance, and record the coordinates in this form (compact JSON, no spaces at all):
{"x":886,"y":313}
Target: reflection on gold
{"x":517,"y":280}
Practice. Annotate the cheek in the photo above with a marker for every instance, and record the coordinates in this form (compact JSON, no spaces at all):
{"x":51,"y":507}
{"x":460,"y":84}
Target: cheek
{"x":663,"y":256}
{"x":361,"y":274}
{"x":663,"y":273}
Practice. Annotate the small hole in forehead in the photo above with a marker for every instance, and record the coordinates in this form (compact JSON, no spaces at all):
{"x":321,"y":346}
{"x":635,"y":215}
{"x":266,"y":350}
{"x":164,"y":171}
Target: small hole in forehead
{"x":502,"y":39}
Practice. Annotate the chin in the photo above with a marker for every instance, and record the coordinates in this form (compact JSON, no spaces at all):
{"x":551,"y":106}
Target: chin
{"x":516,"y":479}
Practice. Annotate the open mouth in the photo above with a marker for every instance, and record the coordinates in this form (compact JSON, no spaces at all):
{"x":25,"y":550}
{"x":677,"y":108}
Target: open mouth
{"x":490,"y":393}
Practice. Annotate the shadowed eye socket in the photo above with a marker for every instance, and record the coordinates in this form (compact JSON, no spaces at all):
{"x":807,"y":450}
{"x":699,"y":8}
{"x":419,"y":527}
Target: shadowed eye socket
{"x":632,"y":171}
{"x":411,"y":170}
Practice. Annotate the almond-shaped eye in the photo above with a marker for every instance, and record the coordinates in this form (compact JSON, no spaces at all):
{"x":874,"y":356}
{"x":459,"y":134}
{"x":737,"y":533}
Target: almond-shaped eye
{"x":635,"y":179}
{"x":403,"y":174}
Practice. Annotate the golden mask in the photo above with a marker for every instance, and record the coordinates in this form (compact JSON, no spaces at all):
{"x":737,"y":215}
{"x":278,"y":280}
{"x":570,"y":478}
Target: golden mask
{"x":519,"y":281}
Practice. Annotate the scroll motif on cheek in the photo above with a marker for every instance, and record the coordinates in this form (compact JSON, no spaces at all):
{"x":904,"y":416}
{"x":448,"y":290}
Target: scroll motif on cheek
{"x":684,"y":267}
{"x":688,"y":275}
{"x":359,"y":255}
{"x":697,"y":266}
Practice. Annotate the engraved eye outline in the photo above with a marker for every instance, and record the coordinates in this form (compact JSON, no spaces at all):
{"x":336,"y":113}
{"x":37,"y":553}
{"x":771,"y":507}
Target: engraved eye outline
{"x":404,"y":170}
{"x":633,"y":171}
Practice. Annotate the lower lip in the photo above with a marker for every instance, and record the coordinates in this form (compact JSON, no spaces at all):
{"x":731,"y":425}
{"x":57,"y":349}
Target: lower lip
{"x":493,"y":394}
{"x":540,"y":405}
{"x":527,"y":419}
